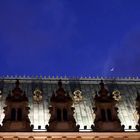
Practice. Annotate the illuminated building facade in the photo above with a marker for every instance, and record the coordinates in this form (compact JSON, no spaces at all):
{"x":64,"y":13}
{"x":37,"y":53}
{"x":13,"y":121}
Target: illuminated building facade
{"x":83,"y":92}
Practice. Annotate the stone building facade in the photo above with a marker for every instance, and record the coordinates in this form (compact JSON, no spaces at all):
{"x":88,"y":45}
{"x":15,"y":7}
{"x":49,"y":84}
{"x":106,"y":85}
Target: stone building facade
{"x":82,"y":92}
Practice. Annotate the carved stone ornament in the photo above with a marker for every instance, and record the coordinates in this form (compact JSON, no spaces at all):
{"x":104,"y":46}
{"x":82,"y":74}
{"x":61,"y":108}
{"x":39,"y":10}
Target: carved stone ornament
{"x":37,"y":96}
{"x":116,"y":95}
{"x":77,"y":96}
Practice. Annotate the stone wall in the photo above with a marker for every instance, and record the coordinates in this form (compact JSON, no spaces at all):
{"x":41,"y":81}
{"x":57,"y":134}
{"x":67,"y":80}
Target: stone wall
{"x":84,"y":115}
{"x":69,"y":136}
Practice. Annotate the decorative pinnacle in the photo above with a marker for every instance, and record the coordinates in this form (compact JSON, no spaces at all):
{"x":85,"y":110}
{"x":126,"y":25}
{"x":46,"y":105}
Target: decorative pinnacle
{"x":138,"y":96}
{"x":60,"y":83}
{"x":102,"y":84}
{"x":17,"y":83}
{"x":17,"y":91}
{"x":137,"y":93}
{"x":103,"y":91}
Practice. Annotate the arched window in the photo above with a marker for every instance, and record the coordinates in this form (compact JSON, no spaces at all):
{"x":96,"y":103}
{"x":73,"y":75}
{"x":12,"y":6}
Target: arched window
{"x":109,"y":115}
{"x":65,"y":114}
{"x":19,"y":114}
{"x":103,"y":115}
{"x":13,"y":114}
{"x":58,"y":114}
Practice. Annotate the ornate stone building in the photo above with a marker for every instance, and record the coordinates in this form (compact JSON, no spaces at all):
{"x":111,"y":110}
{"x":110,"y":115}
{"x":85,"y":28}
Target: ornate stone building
{"x":61,"y":111}
{"x":106,"y":115}
{"x":16,"y":111}
{"x":84,"y":95}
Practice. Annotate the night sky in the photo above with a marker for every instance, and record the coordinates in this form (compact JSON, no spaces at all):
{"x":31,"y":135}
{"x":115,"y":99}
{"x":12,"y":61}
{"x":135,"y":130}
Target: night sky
{"x":70,"y":37}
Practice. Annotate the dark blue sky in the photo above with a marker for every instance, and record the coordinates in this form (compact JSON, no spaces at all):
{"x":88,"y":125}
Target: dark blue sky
{"x":70,"y":37}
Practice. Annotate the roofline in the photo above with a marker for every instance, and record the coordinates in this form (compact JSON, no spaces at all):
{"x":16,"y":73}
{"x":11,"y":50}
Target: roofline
{"x":65,"y":78}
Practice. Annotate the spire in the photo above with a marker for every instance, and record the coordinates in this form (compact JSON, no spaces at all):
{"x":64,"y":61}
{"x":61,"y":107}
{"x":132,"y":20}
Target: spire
{"x":103,"y":91}
{"x":60,"y":83}
{"x":17,"y":91}
{"x":106,"y":118}
{"x":96,"y":94}
{"x":60,"y":91}
{"x":61,"y":111}
{"x":53,"y":96}
{"x":17,"y":83}
{"x":102,"y":84}
{"x":138,"y":96}
{"x":16,"y":111}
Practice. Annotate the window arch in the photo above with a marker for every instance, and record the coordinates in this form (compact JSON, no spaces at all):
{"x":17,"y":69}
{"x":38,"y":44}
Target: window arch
{"x":65,"y":114}
{"x":13,"y":114}
{"x":58,"y":114}
{"x":19,"y":114}
{"x":103,"y":115}
{"x":109,"y":115}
